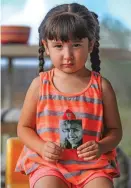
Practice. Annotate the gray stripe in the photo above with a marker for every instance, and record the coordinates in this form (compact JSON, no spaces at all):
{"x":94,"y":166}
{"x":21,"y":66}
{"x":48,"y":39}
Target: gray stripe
{"x":56,"y":130}
{"x":78,"y":114}
{"x":76,"y":173}
{"x":76,"y":98}
{"x":49,"y":113}
{"x":46,"y":82}
{"x":32,"y":168}
{"x":23,"y":160}
{"x":76,"y":162}
{"x":83,"y":163}
{"x":92,"y":133}
{"x":43,"y":130}
{"x":94,"y":86}
{"x":89,"y":116}
{"x":108,"y":167}
{"x":33,"y":155}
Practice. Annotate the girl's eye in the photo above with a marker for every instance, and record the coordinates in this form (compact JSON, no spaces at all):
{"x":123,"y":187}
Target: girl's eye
{"x":76,"y":45}
{"x":58,"y":46}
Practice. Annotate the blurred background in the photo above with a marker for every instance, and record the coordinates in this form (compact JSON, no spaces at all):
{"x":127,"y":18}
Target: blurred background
{"x":19,"y":62}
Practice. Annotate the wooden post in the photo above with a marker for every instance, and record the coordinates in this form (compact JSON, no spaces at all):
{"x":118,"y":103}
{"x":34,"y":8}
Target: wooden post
{"x":8,"y":90}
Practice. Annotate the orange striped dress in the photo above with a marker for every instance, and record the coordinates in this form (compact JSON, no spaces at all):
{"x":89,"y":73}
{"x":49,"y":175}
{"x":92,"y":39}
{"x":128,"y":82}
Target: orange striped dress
{"x":87,"y":106}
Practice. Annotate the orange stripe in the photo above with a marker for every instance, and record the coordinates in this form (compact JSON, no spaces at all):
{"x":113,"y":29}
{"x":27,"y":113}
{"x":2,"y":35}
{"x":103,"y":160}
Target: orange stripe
{"x":75,"y":108}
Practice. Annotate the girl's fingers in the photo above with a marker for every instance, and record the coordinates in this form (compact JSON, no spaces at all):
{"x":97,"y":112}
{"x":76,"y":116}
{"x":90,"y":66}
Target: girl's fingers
{"x":90,"y":148}
{"x":88,"y":154}
{"x":51,"y":156}
{"x":54,"y":146}
{"x":53,"y":151}
{"x":50,"y":160}
{"x":85,"y":145}
{"x":90,"y":158}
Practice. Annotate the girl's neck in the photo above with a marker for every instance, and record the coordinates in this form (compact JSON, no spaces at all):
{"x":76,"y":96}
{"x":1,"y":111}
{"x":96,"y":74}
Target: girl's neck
{"x":84,"y":72}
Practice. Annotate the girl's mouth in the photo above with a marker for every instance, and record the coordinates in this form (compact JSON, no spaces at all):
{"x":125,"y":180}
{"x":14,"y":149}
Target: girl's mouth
{"x":67,"y":65}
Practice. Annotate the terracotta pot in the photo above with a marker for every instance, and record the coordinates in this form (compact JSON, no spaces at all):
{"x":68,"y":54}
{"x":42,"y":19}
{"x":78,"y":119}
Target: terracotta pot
{"x":14,"y":34}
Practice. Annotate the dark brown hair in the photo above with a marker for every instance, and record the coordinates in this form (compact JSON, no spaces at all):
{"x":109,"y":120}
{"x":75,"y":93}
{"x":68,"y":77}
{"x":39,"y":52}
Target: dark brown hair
{"x":67,"y":22}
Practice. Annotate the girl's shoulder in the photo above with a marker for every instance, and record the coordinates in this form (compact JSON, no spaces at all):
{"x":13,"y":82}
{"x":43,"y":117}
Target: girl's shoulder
{"x":106,"y":85}
{"x":103,"y":83}
{"x":33,"y":89}
{"x":45,"y":75}
{"x":35,"y":82}
{"x":107,"y":90}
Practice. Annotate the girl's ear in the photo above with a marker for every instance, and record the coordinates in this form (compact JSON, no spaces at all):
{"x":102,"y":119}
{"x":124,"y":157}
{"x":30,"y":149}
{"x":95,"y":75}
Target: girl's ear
{"x":45,"y":46}
{"x":91,"y":46}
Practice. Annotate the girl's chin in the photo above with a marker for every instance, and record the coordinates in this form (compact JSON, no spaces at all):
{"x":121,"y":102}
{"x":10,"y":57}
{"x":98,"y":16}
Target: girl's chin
{"x":69,"y":70}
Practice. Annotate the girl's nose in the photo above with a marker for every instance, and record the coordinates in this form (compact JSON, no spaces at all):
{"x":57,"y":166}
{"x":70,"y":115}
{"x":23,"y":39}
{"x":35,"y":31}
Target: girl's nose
{"x":68,"y":54}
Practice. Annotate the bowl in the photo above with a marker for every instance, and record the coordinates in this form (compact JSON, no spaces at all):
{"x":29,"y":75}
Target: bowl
{"x":14,"y":34}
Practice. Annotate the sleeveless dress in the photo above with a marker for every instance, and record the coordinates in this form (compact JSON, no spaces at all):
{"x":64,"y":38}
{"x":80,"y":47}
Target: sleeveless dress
{"x":54,"y":107}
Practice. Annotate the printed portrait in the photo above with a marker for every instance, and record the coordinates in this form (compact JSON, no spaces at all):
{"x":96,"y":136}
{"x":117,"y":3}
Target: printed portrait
{"x":71,"y":133}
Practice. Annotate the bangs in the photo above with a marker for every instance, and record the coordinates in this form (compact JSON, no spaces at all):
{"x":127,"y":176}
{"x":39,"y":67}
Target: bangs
{"x":66,"y":27}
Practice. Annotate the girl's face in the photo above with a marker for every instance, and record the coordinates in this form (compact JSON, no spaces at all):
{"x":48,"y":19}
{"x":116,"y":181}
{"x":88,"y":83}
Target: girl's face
{"x":69,"y":56}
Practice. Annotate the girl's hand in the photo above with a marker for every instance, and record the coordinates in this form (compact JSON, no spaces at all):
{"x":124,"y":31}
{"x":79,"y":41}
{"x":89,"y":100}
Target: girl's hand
{"x":89,"y":150}
{"x":51,"y":152}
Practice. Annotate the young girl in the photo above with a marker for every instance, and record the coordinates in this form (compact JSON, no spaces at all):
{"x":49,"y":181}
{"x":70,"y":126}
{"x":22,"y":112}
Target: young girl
{"x":69,"y":33}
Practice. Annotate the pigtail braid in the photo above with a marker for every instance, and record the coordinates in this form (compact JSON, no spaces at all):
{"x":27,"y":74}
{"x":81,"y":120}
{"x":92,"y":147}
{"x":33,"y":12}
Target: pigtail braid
{"x":41,"y":57}
{"x":94,"y":56}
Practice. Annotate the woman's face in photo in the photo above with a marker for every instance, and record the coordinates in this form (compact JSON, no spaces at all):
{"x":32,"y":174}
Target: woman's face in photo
{"x":73,"y":132}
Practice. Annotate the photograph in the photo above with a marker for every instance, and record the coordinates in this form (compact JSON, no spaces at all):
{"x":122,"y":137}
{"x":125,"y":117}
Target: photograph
{"x":70,"y":133}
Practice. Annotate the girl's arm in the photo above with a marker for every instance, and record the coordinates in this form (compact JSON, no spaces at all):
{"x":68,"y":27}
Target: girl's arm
{"x":92,"y":150}
{"x":27,"y":122}
{"x":111,"y":118}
